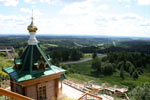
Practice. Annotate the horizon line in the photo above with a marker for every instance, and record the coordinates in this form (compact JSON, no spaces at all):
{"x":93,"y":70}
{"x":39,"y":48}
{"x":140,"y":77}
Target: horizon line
{"x":22,"y":34}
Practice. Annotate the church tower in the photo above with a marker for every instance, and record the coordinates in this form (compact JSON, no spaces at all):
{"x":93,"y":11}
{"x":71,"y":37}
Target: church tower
{"x":33,"y":75}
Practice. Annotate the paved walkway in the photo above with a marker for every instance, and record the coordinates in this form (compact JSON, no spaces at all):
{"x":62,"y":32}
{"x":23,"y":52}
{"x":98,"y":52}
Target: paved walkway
{"x":106,"y":97}
{"x":71,"y":92}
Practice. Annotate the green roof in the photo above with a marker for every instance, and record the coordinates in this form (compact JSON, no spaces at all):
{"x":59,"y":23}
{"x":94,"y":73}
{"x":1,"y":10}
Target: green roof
{"x":23,"y":76}
{"x":32,"y":57}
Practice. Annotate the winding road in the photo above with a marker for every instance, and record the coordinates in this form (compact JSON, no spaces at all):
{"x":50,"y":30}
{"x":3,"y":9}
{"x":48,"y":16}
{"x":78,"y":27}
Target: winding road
{"x":83,"y":60}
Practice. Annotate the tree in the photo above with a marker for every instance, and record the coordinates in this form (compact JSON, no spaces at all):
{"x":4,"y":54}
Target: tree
{"x":120,"y":64}
{"x":65,"y":55}
{"x":55,"y":62}
{"x":140,"y":92}
{"x":122,"y":72}
{"x":96,"y":65}
{"x":107,"y":69}
{"x":135,"y":75}
{"x":131,"y":70}
{"x":111,"y":57}
{"x":94,"y":55}
{"x":76,"y":54}
{"x":56,"y":55}
{"x":128,"y":66}
{"x":66,"y":68}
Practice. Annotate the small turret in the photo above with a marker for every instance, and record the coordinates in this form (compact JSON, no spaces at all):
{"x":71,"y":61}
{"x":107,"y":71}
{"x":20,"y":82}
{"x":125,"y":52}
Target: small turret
{"x":32,"y":30}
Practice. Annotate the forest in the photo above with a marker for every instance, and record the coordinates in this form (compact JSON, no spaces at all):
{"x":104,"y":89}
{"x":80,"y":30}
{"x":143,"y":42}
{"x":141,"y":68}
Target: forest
{"x":127,"y":63}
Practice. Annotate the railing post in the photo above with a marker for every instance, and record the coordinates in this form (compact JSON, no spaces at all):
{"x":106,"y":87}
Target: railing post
{"x":114,"y":96}
{"x":5,"y":98}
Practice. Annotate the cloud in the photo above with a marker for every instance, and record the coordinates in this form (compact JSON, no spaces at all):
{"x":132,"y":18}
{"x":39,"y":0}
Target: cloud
{"x":60,"y":1}
{"x":103,"y":7}
{"x":85,"y":17}
{"x":13,"y":23}
{"x":128,"y":1}
{"x":27,"y":10}
{"x":130,"y":16}
{"x":54,"y":2}
{"x":77,"y":8}
{"x":91,"y":17}
{"x":145,"y":24}
{"x":127,"y":6}
{"x":46,"y":0}
{"x":30,"y":1}
{"x":84,"y":7}
{"x":139,"y":2}
{"x":144,"y":2}
{"x":9,"y":2}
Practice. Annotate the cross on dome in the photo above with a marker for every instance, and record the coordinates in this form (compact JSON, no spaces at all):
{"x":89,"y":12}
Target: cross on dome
{"x":32,"y":27}
{"x":32,"y":30}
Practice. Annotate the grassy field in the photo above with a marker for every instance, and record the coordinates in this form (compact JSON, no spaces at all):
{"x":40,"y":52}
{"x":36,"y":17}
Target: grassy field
{"x":87,"y":55}
{"x":5,"y":62}
{"x":52,"y":45}
{"x":82,"y":71}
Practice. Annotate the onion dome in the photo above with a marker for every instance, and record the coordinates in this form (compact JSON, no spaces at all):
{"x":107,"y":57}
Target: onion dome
{"x":31,"y":27}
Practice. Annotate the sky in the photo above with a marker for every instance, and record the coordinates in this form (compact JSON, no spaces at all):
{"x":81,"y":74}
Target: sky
{"x":77,"y":17}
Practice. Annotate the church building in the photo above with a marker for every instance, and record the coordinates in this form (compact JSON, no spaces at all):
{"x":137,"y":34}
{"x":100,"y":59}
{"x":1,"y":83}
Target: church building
{"x":33,"y":75}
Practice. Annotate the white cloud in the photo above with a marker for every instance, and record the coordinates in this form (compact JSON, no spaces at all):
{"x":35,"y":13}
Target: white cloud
{"x":45,"y":0}
{"x":128,"y":1}
{"x":130,"y":16}
{"x":77,"y":8}
{"x":30,"y":1}
{"x":144,"y":2}
{"x":27,"y":10}
{"x":9,"y":2}
{"x":88,"y":18}
{"x":103,"y":7}
{"x":127,"y":6}
{"x":13,"y":24}
{"x":60,"y":1}
{"x":128,"y":24}
{"x":85,"y":18}
{"x":84,"y":7}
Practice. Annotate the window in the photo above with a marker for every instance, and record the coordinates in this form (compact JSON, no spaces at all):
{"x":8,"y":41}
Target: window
{"x":41,"y":91}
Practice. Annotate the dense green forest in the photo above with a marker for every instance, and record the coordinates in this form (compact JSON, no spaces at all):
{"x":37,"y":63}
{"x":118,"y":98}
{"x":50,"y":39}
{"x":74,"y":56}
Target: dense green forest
{"x":127,"y":63}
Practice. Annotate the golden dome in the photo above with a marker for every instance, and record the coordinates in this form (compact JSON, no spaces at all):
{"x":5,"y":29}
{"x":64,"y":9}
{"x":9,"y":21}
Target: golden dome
{"x":31,"y":27}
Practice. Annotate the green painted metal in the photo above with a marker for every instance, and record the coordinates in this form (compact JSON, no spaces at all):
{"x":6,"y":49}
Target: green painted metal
{"x":25,"y":58}
{"x":31,"y":58}
{"x":43,"y":55}
{"x":18,"y":61}
{"x":24,"y":76}
{"x":37,"y":63}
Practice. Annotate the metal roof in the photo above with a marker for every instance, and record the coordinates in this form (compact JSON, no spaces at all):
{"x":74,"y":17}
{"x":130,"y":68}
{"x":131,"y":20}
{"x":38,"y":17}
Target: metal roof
{"x":27,"y":76}
{"x":31,"y":57}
